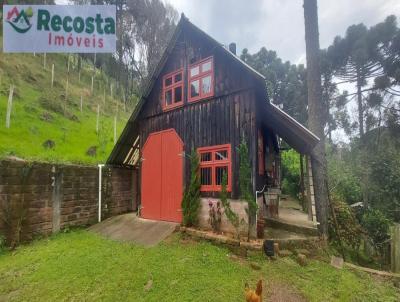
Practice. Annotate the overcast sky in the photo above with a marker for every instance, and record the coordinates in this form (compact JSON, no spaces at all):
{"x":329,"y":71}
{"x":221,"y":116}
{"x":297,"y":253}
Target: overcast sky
{"x":279,"y":24}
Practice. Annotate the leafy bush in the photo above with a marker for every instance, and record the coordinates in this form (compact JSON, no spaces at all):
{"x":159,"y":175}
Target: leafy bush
{"x":191,"y":198}
{"x":377,"y":227}
{"x":229,"y":213}
{"x":2,"y":243}
{"x":349,"y":228}
{"x":245,"y":185}
{"x":290,"y":173}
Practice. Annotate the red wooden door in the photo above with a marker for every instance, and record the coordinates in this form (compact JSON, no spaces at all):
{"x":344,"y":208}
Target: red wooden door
{"x":162,"y":176}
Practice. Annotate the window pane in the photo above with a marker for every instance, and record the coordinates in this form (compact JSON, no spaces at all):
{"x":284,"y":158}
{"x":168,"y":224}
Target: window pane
{"x":206,"y":156}
{"x":178,"y":77}
{"x":206,"y":66}
{"x":194,"y":71}
{"x":206,"y":84}
{"x":205,"y":176}
{"x":219,"y":173}
{"x":221,"y":155}
{"x":178,"y":94}
{"x":168,"y":97}
{"x":194,"y":88}
{"x":168,"y":81}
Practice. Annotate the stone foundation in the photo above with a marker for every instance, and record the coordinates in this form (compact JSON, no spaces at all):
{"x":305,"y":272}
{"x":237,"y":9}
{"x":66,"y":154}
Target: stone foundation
{"x":237,"y":206}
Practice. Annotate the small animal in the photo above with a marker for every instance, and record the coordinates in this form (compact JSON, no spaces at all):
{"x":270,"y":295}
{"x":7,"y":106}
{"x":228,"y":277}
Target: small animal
{"x":253,"y":296}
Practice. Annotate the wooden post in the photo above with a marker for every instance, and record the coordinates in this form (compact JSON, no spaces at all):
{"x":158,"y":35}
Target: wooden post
{"x":395,"y":248}
{"x":9,"y":106}
{"x":303,"y":203}
{"x":68,"y":64}
{"x":81,"y":102}
{"x":115,"y":129}
{"x":310,"y":191}
{"x":97,"y":120}
{"x":104,"y":97}
{"x":123,"y":93}
{"x":52,"y":75}
{"x":91,"y":89}
{"x":44,"y":60}
{"x":66,"y":88}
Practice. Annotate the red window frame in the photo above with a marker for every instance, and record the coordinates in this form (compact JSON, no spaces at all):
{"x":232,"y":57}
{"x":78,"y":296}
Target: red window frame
{"x":200,"y":76}
{"x":174,"y":84}
{"x":213,"y":163}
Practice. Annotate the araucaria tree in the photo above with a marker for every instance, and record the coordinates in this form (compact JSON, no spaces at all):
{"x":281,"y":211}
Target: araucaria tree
{"x":191,"y":198}
{"x":316,"y":121}
{"x":245,"y":186}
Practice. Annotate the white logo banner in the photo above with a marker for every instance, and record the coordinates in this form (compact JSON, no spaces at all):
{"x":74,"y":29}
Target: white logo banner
{"x":59,"y":28}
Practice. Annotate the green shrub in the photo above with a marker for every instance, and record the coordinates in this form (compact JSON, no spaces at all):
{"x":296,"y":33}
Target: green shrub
{"x":291,"y":173}
{"x":378,"y":228}
{"x":2,"y":244}
{"x":349,"y":228}
{"x":229,"y":213}
{"x":245,"y":185}
{"x":191,"y":197}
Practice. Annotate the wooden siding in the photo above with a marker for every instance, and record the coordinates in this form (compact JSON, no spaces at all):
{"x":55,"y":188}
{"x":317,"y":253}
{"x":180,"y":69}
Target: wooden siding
{"x":224,"y":120}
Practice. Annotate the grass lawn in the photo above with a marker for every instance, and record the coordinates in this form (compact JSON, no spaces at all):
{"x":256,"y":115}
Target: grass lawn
{"x":80,"y":266}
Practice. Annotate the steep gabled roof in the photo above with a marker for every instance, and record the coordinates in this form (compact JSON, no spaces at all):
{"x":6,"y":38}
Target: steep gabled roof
{"x":294,"y":133}
{"x":130,"y":132}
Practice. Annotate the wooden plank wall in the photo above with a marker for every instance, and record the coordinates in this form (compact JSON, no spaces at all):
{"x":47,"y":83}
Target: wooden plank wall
{"x":225,"y":120}
{"x":222,"y":119}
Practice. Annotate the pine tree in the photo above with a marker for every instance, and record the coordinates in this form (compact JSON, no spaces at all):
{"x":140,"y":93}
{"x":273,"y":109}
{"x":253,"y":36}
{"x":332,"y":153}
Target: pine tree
{"x":191,"y":198}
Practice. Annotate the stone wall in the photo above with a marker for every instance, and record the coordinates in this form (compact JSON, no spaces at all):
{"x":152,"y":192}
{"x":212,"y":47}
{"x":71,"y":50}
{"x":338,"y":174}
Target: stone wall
{"x":41,"y":198}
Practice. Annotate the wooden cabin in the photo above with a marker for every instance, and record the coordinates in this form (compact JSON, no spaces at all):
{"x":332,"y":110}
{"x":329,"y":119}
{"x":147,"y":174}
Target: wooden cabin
{"x":203,"y":97}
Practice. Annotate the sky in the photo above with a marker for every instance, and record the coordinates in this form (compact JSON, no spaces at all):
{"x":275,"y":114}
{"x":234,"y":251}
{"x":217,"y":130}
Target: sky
{"x":279,"y":24}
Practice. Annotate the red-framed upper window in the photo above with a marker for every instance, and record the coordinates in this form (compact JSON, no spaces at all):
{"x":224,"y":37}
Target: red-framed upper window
{"x":201,"y":80}
{"x":173,"y":89}
{"x":214,"y":162}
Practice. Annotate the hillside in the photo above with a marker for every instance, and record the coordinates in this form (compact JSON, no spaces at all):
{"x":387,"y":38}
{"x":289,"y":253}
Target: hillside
{"x":48,"y":125}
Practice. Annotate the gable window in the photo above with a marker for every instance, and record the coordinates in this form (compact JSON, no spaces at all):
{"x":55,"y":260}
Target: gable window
{"x":215,"y":161}
{"x":201,"y":80}
{"x":173,"y":89}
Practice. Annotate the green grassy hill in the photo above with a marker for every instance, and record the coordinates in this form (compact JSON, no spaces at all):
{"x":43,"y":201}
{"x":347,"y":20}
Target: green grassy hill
{"x":47,"y":125}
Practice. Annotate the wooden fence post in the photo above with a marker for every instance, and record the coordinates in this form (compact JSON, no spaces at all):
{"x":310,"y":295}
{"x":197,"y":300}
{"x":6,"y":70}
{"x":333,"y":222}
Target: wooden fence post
{"x":97,"y":120}
{"x":395,"y":249}
{"x":123,"y":94}
{"x":81,"y":102}
{"x":115,"y":129}
{"x":9,"y":106}
{"x":44,"y":60}
{"x":52,"y":75}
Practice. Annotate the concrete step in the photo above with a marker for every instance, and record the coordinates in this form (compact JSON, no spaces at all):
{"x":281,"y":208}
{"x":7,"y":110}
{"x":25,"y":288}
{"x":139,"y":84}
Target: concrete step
{"x":276,"y":223}
{"x":290,"y":240}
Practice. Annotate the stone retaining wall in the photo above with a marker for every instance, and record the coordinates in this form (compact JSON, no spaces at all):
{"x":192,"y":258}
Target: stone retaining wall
{"x":41,"y":198}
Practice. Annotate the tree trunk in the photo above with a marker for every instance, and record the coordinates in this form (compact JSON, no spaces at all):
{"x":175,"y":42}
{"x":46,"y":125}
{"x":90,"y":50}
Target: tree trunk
{"x":359,"y":104}
{"x":316,"y":112}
